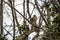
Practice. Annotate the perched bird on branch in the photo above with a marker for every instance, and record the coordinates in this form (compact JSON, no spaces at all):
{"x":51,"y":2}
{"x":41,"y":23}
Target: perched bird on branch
{"x":33,"y":20}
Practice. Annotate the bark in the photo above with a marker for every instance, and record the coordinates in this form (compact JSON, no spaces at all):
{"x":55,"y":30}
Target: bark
{"x":1,"y":17}
{"x":13,"y":16}
{"x":28,"y":9}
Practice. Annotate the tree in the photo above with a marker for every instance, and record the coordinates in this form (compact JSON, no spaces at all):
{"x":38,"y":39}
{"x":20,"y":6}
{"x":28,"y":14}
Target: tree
{"x":1,"y":18}
{"x":41,"y":21}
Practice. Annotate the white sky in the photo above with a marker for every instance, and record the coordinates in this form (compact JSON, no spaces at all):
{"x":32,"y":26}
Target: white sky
{"x":8,"y":21}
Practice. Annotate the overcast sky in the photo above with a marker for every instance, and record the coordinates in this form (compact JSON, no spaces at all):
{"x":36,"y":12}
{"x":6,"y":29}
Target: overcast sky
{"x":7,"y":19}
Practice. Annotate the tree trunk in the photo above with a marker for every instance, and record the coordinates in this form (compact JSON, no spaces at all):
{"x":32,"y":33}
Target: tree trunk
{"x":1,"y":16}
